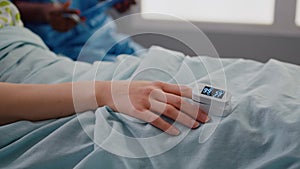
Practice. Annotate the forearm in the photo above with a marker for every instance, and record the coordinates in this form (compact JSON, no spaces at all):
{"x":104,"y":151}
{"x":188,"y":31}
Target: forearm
{"x":141,"y":99}
{"x":44,"y":101}
{"x":34,"y":12}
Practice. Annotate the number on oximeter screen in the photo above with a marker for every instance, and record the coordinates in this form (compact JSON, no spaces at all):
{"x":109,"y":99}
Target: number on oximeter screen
{"x":216,"y":93}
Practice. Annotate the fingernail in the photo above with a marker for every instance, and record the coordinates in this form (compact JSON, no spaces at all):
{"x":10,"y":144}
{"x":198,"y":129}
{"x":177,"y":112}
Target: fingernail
{"x":196,"y":125}
{"x":207,"y":119}
{"x":203,"y":118}
{"x":173,"y":131}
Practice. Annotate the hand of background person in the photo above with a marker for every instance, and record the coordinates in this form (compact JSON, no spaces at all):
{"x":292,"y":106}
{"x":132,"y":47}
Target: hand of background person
{"x":146,"y":101}
{"x":124,"y":6}
{"x":57,"y":17}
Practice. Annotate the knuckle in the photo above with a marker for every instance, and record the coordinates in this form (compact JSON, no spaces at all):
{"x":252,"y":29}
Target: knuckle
{"x":169,"y":109}
{"x":147,"y":91}
{"x":143,"y":101}
{"x":150,"y":118}
{"x":158,"y":83}
{"x":177,"y":101}
{"x":139,"y":113}
{"x":137,"y":110}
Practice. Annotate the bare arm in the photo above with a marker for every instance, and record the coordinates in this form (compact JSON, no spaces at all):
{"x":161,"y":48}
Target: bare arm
{"x":37,"y":101}
{"x":140,"y":99}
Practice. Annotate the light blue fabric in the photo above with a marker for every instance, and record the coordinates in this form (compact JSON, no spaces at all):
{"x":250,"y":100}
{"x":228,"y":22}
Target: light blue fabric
{"x":70,"y":43}
{"x":262,"y":131}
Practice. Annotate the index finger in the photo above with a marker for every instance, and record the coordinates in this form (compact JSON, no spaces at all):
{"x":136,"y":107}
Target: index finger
{"x":179,"y":90}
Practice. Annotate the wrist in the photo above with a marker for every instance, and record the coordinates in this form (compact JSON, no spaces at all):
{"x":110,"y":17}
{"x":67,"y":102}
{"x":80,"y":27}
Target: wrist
{"x":84,"y":96}
{"x":103,"y":93}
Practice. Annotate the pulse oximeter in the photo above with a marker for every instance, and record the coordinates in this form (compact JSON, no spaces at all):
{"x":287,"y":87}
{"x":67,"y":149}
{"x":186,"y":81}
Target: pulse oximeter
{"x":215,"y":101}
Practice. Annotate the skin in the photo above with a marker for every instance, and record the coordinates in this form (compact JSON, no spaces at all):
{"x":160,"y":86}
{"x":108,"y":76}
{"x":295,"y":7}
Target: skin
{"x":124,"y":6}
{"x":144,"y":100}
{"x":53,"y":14}
{"x":147,"y":101}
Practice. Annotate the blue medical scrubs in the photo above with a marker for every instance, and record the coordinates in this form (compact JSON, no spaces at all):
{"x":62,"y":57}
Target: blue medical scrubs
{"x":70,"y":43}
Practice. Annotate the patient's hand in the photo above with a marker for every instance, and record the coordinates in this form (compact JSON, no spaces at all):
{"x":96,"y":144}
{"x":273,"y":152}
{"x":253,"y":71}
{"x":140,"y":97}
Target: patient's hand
{"x":140,"y":99}
{"x":147,"y":100}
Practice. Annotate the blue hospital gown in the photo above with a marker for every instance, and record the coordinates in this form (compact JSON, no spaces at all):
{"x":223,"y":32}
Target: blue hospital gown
{"x":70,"y":43}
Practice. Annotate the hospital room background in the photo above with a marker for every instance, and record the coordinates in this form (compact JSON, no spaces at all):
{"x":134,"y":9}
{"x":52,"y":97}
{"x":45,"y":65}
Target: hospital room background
{"x":252,"y":29}
{"x":254,"y":119}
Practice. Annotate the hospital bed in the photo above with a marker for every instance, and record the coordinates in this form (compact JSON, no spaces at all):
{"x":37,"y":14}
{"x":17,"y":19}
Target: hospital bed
{"x":262,"y":130}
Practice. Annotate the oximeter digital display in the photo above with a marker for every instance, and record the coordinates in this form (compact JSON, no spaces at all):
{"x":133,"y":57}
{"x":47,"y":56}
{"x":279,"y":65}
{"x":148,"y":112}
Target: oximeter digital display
{"x":210,"y":91}
{"x":214,"y":100}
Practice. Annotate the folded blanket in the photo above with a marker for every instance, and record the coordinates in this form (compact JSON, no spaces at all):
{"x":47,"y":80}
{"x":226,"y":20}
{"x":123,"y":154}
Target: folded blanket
{"x":261,"y":132}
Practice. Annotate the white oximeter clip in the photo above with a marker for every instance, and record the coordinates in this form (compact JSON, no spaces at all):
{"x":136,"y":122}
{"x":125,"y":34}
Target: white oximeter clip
{"x":215,"y":101}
